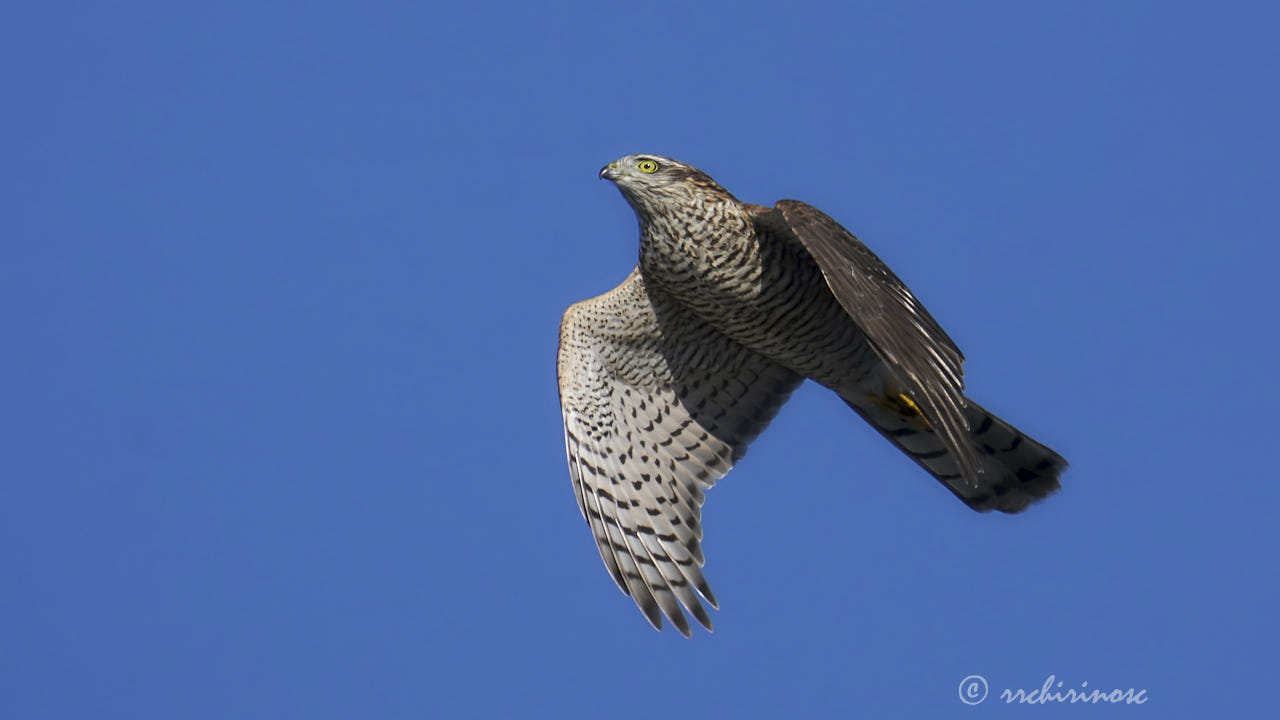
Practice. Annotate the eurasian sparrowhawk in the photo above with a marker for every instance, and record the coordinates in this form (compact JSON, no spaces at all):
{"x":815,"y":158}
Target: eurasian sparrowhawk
{"x":667,"y":378}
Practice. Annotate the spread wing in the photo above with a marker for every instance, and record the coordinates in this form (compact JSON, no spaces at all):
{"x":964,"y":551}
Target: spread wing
{"x":904,"y":335}
{"x":657,"y":406}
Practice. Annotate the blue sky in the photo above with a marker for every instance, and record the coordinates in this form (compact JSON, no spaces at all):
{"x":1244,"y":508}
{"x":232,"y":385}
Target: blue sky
{"x":280,"y":293}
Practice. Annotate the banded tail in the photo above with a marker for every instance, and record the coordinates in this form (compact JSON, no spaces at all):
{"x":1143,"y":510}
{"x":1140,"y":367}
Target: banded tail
{"x":1016,"y":470}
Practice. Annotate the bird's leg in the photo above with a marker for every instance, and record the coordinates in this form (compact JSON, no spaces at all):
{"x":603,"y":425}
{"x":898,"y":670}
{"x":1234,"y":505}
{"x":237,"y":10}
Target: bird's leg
{"x":901,"y":404}
{"x":904,"y":399}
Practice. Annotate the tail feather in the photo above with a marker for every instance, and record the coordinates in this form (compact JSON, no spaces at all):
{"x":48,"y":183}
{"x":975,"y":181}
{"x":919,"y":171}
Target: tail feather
{"x":1016,"y":470}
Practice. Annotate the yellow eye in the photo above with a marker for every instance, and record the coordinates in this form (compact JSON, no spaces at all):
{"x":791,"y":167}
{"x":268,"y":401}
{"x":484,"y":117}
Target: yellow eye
{"x":647,"y":166}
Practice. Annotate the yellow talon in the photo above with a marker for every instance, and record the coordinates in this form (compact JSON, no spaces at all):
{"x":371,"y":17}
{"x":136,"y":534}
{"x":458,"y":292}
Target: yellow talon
{"x":915,"y":408}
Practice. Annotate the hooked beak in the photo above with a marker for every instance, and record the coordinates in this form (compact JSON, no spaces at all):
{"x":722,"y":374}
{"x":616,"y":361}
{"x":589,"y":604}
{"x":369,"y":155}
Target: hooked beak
{"x":609,"y":172}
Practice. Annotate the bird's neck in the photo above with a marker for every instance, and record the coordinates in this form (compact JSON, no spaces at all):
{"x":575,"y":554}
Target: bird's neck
{"x":683,"y":245}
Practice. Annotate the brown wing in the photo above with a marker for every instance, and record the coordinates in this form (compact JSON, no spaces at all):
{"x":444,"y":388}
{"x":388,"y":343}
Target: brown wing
{"x":657,"y":406}
{"x":904,"y":335}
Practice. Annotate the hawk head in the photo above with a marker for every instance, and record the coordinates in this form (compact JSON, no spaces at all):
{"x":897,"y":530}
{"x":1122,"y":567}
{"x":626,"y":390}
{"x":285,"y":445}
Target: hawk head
{"x":659,"y":186}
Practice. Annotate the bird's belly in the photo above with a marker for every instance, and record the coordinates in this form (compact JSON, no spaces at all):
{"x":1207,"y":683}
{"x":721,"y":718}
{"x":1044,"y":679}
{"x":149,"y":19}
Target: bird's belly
{"x":810,"y":334}
{"x":782,"y":308}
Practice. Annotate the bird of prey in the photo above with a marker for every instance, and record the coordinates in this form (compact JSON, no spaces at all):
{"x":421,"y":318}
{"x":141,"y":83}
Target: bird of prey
{"x":667,"y":378}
